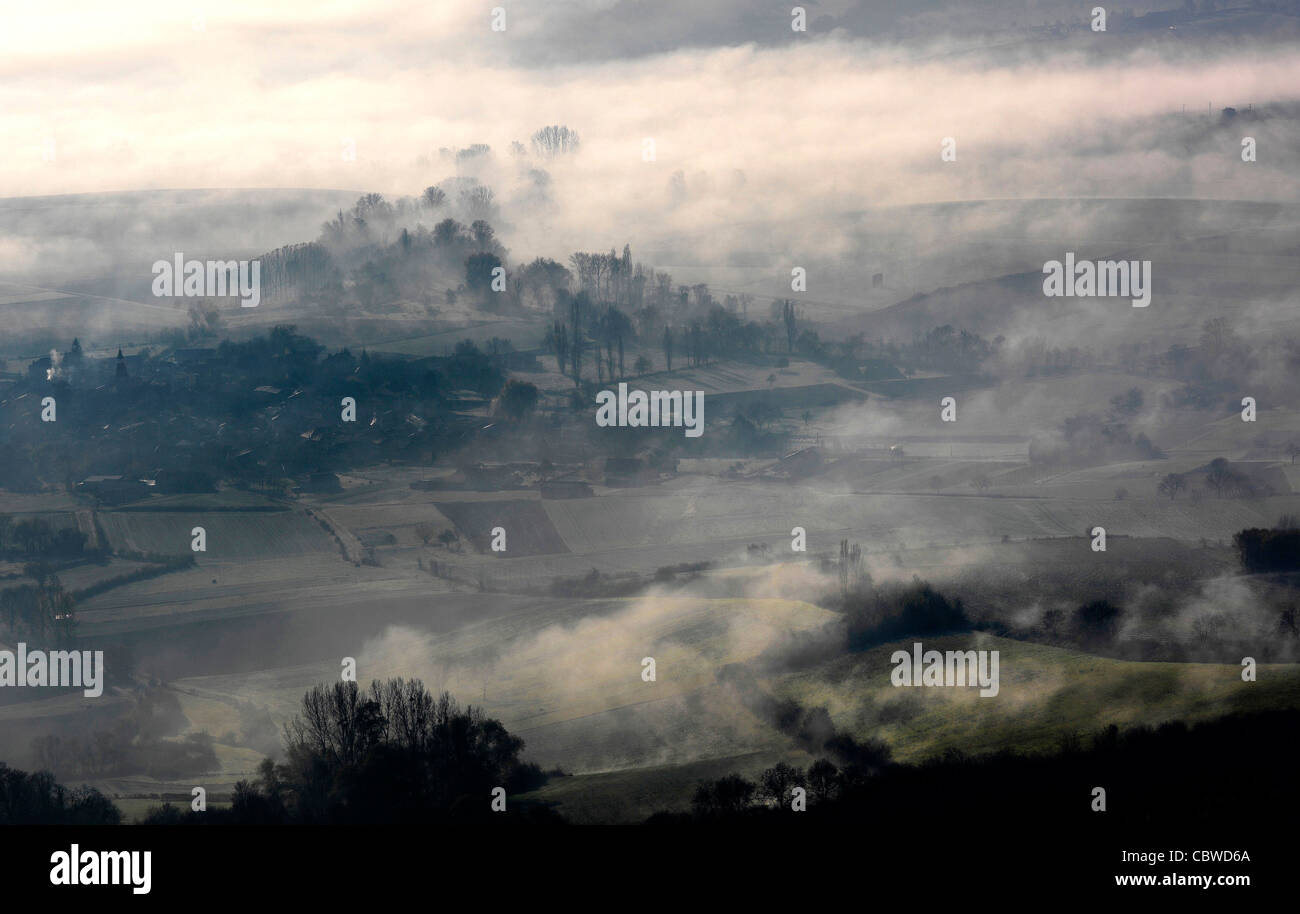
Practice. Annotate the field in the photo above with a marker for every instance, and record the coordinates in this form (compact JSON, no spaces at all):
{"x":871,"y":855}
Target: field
{"x":1236,"y":261}
{"x":528,"y":528}
{"x":1047,"y":695}
{"x":230,"y":536}
{"x":565,"y":675}
{"x":84,"y":576}
{"x":286,"y":589}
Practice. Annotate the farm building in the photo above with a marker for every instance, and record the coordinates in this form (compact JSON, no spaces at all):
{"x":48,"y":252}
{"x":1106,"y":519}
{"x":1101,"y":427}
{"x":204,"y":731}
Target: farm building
{"x":113,"y":488}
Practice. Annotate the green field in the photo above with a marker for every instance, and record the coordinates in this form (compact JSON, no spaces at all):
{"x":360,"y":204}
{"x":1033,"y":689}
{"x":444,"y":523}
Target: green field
{"x":1047,"y":694}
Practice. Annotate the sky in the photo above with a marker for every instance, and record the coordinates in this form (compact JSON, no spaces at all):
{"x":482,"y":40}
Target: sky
{"x":765,"y":125}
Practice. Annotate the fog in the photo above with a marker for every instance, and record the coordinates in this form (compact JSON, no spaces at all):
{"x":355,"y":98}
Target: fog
{"x":352,"y":445}
{"x":773,"y":141}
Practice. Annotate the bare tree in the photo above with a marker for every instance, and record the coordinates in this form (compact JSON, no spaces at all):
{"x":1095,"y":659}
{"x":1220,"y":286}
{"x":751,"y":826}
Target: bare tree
{"x":823,"y":779}
{"x":433,"y":197}
{"x":557,"y":140}
{"x":1219,"y":477}
{"x":777,"y":781}
{"x":1171,"y":485}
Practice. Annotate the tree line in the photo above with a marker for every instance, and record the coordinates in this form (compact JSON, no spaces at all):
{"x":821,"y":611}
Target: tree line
{"x":392,"y":753}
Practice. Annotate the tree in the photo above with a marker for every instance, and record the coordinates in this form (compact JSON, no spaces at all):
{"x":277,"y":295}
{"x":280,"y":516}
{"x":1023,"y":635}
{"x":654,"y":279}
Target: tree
{"x":1128,"y":403}
{"x":726,"y":796}
{"x":885,"y":614}
{"x":576,"y":347}
{"x":545,"y":282}
{"x":611,"y":327}
{"x":447,"y":233}
{"x":778,"y":780}
{"x":788,"y":318}
{"x":557,"y":338}
{"x":557,"y":140}
{"x":1097,"y":620}
{"x":668,"y":347}
{"x":205,"y":320}
{"x":1171,"y":485}
{"x":1219,"y":477}
{"x":823,"y":779}
{"x":390,"y":753}
{"x":518,"y":398}
{"x":1287,"y":623}
{"x":478,"y":272}
{"x":433,"y":197}
{"x":1216,"y":335}
{"x":1264,"y":551}
{"x":478,"y":201}
{"x":483,"y":234}
{"x":578,"y":305}
{"x":37,"y":799}
{"x":426,"y":532}
{"x":641,"y":365}
{"x":1293,"y":450}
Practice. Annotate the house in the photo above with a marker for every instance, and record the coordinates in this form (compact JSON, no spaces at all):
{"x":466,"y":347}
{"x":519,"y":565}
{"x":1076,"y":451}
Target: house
{"x":467,"y":401}
{"x":113,"y":489}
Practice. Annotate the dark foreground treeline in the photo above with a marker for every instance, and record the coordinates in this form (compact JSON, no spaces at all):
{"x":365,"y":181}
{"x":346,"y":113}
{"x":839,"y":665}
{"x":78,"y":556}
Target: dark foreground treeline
{"x":1265,"y":551}
{"x":1119,"y":612}
{"x":37,"y":799}
{"x":389,"y":754}
{"x":1223,"y":773}
{"x":394,"y":754}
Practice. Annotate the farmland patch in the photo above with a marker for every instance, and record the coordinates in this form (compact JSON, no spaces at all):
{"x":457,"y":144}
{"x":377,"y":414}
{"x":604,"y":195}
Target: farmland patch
{"x":529,"y":530}
{"x":230,"y":535}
